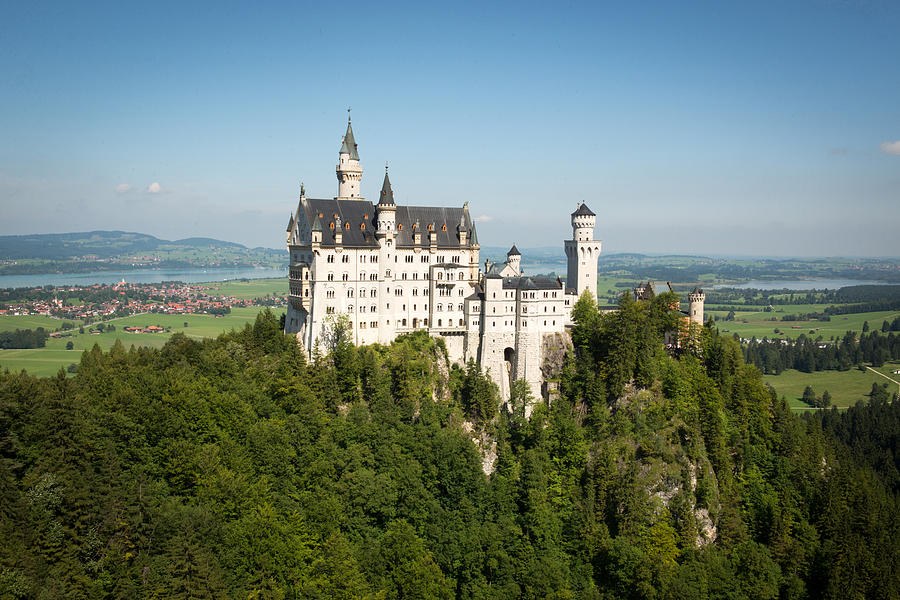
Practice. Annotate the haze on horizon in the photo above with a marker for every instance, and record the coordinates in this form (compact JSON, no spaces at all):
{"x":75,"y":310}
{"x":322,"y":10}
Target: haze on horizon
{"x":696,"y":128}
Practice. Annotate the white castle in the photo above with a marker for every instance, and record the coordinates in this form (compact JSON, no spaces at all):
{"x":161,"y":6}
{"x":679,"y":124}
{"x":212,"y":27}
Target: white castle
{"x":394,"y":269}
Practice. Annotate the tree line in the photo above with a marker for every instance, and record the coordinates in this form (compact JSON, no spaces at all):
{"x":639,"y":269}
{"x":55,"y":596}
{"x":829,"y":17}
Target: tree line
{"x":808,"y":355}
{"x":237,"y":468}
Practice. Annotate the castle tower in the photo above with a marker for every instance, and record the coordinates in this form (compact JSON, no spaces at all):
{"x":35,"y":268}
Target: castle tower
{"x":348,"y":170}
{"x":696,"y":300}
{"x":385,"y":210}
{"x":582,"y":252}
{"x":514,"y":259}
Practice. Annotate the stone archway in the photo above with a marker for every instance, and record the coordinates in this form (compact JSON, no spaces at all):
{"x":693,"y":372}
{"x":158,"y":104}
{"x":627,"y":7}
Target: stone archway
{"x":509,"y":365}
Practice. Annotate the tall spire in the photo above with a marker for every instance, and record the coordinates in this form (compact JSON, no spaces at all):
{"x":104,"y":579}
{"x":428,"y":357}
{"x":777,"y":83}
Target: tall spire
{"x":387,"y":194}
{"x":348,"y":144}
{"x":349,"y":171}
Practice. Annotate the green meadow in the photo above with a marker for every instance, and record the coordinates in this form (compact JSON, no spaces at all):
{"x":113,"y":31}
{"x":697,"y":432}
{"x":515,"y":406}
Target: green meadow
{"x":48,"y":360}
{"x":846,"y":387}
{"x":758,"y":324}
{"x":11,"y":322}
{"x":250,"y":288}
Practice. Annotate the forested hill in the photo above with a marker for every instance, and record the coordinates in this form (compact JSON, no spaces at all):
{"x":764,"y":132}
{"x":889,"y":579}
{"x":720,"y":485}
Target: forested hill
{"x":101,"y":244}
{"x":106,"y":250}
{"x":234,"y":468}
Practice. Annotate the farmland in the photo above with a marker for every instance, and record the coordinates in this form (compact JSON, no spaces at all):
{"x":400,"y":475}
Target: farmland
{"x":48,"y":360}
{"x":846,"y":387}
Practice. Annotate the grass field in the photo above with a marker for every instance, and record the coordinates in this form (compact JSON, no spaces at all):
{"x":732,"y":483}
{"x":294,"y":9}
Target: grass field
{"x":251,"y":288}
{"x":48,"y":360}
{"x":11,"y":323}
{"x":846,"y":387}
{"x":758,"y":324}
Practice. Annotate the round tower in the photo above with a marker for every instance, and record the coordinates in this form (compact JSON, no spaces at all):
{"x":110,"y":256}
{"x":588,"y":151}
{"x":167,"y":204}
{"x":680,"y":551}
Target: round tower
{"x":582,"y":251}
{"x":349,"y":171}
{"x":583,"y":222}
{"x":514,"y":259}
{"x":696,"y":299}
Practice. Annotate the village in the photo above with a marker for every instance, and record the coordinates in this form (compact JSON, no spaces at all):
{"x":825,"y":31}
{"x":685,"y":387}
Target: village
{"x":102,"y":302}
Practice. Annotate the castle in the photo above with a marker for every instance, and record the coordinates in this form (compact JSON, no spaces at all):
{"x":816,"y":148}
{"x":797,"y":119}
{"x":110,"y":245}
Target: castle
{"x":393,"y":269}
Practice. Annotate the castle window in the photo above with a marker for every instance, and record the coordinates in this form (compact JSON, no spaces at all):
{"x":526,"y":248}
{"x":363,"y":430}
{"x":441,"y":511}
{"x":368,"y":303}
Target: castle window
{"x":362,"y":226}
{"x":444,"y":227}
{"x":345,"y":258}
{"x":350,"y":293}
{"x":373,"y":309}
{"x":431,"y":227}
{"x":400,"y":226}
{"x":335,"y":215}
{"x":440,"y":322}
{"x":330,"y":258}
{"x":347,"y":225}
{"x":404,"y":322}
{"x":331,"y":277}
{"x":329,"y":310}
{"x":415,"y":291}
{"x":425,"y":322}
{"x":362,"y":325}
{"x":345,"y":277}
{"x":321,"y":216}
{"x":373,"y":277}
{"x":440,"y":307}
{"x":331,"y":225}
{"x":350,"y":308}
{"x":545,"y":323}
{"x":374,"y":324}
{"x":329,"y":294}
{"x":460,"y":307}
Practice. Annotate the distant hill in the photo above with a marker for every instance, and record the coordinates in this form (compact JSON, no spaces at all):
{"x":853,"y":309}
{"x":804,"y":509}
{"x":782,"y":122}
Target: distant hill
{"x":102,"y":244}
{"x":111,"y":250}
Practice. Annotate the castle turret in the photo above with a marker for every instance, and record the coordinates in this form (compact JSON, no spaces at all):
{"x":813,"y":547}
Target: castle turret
{"x":514,"y":259}
{"x":348,"y":170}
{"x":385,"y":210}
{"x":582,"y":251}
{"x":696,"y":299}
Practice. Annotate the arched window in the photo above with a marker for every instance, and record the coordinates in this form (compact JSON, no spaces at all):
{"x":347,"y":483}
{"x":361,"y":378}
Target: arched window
{"x":444,"y":227}
{"x":400,"y":226}
{"x":347,"y":225}
{"x":331,"y":225}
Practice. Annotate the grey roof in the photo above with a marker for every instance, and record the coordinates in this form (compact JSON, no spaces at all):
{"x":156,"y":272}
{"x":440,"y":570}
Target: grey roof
{"x":514,"y":251}
{"x":474,"y":240}
{"x":538,"y":282}
{"x":697,"y":290}
{"x":583,"y":210}
{"x":440,"y":216}
{"x":349,"y":143}
{"x":290,"y":223}
{"x":360,"y":215}
{"x":387,"y":194}
{"x":349,"y":212}
{"x":317,"y":224}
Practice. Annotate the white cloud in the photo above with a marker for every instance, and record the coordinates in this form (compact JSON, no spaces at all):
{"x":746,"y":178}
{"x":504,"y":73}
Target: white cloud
{"x":154,"y":188}
{"x":123,"y":188}
{"x":890,"y":147}
{"x":484,"y":219}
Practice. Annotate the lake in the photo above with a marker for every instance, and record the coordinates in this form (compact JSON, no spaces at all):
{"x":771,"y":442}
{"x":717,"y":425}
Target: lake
{"x":137,"y":276}
{"x":799,"y":284}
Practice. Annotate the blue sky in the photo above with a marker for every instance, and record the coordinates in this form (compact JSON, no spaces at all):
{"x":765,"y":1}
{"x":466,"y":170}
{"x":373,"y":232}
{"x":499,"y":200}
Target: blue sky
{"x":768,"y":128}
